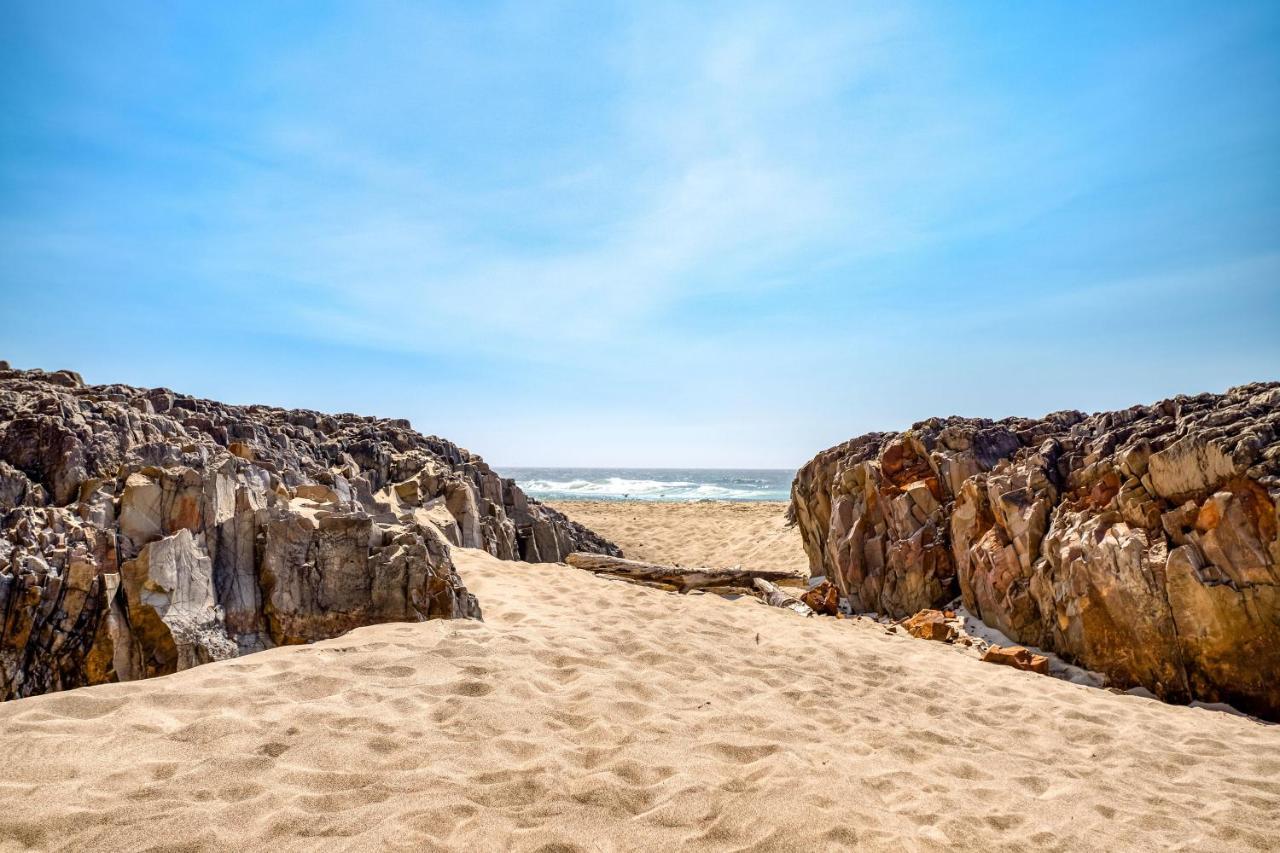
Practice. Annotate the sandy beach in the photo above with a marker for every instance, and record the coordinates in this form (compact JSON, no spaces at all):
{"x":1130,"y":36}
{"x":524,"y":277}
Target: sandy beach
{"x":753,"y":534}
{"x":580,"y":428}
{"x":591,"y":714}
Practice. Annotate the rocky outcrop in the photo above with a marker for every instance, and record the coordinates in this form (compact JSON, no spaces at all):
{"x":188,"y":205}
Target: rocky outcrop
{"x":143,"y":532}
{"x":1142,"y":543}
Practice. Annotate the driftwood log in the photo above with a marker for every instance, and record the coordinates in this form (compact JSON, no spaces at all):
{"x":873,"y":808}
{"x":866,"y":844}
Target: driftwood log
{"x":779,"y":598}
{"x":683,"y":579}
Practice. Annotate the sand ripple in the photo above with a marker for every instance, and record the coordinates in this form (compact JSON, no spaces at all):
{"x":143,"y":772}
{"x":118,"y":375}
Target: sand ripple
{"x":590,"y":714}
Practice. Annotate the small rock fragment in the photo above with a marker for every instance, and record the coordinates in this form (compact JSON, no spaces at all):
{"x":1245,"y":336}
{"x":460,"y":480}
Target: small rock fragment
{"x":1018,"y":658}
{"x":930,"y":625}
{"x":823,"y":599}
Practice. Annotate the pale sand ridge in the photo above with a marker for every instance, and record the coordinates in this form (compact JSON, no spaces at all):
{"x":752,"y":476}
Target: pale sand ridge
{"x":591,"y":714}
{"x":719,"y":534}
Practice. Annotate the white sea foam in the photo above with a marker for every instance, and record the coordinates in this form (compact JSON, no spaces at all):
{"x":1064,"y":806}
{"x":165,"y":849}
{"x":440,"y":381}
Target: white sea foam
{"x":607,"y":486}
{"x":709,"y":486}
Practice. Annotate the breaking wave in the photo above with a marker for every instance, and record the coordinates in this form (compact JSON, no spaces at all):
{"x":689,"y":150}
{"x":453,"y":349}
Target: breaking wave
{"x":684,"y":485}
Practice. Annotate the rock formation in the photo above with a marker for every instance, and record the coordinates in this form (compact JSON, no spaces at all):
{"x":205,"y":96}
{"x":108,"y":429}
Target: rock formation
{"x":144,"y":532}
{"x":1142,"y":543}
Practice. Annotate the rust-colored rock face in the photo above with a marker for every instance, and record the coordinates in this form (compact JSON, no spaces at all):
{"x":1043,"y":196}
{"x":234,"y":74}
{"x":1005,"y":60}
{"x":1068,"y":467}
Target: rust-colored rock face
{"x":930,"y":625}
{"x":143,"y":532}
{"x":1142,"y":543}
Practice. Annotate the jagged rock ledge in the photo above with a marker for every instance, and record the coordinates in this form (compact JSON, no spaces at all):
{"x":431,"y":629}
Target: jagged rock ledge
{"x":144,"y":531}
{"x":1142,"y":543}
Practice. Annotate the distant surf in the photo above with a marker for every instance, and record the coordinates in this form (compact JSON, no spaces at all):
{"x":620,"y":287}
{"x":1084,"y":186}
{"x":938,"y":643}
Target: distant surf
{"x":654,"y":484}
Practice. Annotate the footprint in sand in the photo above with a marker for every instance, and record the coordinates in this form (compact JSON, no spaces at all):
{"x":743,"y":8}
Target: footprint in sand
{"x":469,"y":688}
{"x":741,"y":753}
{"x":384,"y":745}
{"x":79,"y":706}
{"x":274,"y":749}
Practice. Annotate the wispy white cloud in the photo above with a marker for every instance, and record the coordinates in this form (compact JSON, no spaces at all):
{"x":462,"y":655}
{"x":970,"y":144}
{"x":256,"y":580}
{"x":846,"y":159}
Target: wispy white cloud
{"x":784,"y":220}
{"x":726,"y":158}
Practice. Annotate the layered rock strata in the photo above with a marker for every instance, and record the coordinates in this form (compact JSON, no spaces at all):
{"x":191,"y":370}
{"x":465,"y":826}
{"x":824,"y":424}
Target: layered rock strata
{"x":1142,"y":543}
{"x":143,"y":531}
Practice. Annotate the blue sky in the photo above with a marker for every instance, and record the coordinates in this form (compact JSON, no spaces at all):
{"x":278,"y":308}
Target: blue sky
{"x":644,"y":234}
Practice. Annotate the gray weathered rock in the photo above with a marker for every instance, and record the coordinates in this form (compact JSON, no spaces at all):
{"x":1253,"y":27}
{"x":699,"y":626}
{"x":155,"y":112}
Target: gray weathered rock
{"x":173,"y":611}
{"x":1142,"y":543}
{"x":144,"y":531}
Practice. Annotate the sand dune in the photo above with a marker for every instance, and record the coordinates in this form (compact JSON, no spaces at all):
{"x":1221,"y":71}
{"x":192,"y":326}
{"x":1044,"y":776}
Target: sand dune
{"x":590,"y":714}
{"x":696,"y":533}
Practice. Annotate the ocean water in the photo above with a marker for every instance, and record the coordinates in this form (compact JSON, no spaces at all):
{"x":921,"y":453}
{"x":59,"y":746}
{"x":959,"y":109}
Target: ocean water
{"x":653,"y":484}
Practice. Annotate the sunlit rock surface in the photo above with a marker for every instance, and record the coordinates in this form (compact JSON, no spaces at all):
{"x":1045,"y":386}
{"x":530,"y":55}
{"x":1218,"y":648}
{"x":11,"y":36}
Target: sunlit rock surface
{"x":144,"y":532}
{"x":1142,"y":543}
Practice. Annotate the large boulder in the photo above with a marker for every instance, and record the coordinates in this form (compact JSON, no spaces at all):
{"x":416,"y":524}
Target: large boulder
{"x":144,"y":531}
{"x":1141,"y":543}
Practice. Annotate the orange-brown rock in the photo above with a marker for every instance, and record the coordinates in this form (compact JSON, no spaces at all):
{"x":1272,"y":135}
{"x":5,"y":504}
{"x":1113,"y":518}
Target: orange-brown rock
{"x":1018,"y":658}
{"x":823,"y":599}
{"x":931,"y":625}
{"x":1142,"y":543}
